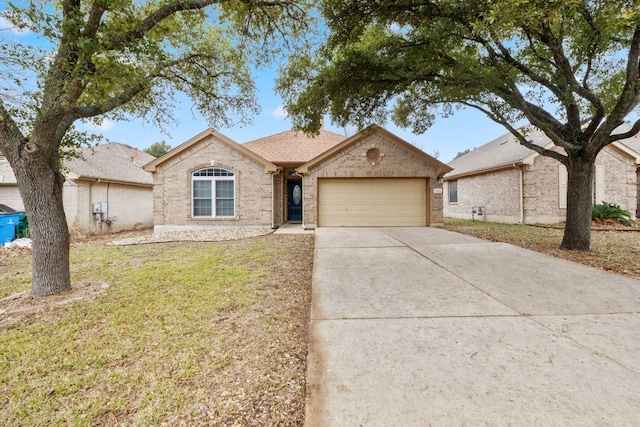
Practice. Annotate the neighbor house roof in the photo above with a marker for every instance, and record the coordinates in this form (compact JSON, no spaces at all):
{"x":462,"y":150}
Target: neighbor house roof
{"x":138,"y":157}
{"x":634,"y":144}
{"x":502,"y":152}
{"x":506,"y":151}
{"x":442,"y":167}
{"x":100,"y":163}
{"x":292,"y":147}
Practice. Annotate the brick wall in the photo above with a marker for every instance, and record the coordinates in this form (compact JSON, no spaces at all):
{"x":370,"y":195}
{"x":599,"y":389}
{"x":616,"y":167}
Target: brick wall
{"x":129,"y":207}
{"x":352,"y":163}
{"x":620,"y":179}
{"x":172,"y":188}
{"x":498,"y":192}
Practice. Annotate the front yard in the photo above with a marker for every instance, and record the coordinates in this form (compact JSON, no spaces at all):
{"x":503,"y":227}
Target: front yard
{"x":173,"y":333}
{"x":190,"y":333}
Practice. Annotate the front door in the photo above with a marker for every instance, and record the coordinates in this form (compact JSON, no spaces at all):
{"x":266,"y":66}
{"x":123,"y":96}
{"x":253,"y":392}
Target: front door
{"x":294,"y":200}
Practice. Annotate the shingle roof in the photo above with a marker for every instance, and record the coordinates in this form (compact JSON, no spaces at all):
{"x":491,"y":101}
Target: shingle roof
{"x":139,"y":157}
{"x":293,"y":147}
{"x":102,"y":163}
{"x":633,"y":143}
{"x":502,"y":151}
{"x":506,"y":150}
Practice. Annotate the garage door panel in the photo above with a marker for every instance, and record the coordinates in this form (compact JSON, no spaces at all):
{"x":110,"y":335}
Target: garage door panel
{"x":372,"y":202}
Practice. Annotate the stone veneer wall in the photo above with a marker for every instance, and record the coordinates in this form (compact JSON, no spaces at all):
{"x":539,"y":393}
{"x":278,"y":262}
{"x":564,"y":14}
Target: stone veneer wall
{"x":352,"y":163}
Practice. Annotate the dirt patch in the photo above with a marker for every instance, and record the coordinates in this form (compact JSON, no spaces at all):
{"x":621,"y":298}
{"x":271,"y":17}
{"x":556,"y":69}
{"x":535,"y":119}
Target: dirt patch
{"x":19,"y":305}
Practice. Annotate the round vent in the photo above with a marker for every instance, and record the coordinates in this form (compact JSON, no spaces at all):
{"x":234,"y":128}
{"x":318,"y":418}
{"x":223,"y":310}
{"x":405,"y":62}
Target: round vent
{"x":373,"y":155}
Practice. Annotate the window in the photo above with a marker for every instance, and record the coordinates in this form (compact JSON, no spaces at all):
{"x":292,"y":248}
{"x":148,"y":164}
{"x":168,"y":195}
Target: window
{"x":213,"y":193}
{"x":453,"y":191}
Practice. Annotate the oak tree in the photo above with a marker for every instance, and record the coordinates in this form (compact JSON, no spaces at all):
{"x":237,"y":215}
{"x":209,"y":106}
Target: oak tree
{"x":118,"y":59}
{"x":569,"y":67}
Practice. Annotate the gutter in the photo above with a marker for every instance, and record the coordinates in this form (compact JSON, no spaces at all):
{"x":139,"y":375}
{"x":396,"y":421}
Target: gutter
{"x":483,"y":171}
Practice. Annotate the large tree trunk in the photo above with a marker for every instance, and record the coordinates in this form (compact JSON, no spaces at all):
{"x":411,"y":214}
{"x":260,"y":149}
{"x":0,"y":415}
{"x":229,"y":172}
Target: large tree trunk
{"x":40,"y":183}
{"x":577,"y":230}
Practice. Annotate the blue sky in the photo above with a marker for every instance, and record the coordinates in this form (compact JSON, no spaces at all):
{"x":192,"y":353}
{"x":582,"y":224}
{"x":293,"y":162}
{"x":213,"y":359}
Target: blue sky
{"x":465,"y":129}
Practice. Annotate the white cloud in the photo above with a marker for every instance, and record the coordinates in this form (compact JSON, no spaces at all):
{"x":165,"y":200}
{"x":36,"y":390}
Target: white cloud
{"x":6,"y":25}
{"x":279,"y":112}
{"x":105,"y":125}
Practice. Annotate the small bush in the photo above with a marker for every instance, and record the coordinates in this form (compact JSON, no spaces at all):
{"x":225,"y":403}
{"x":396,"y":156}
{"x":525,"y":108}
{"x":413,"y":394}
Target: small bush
{"x":606,"y":210}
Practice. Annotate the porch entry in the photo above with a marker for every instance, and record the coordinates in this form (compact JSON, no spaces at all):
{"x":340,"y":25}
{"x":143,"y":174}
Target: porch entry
{"x":294,"y":200}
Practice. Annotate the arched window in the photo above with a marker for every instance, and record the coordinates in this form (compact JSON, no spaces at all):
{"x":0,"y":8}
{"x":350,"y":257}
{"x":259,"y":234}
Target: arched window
{"x":213,"y":193}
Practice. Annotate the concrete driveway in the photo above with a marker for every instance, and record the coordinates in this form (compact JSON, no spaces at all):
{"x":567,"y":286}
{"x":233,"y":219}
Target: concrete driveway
{"x":422,"y":326}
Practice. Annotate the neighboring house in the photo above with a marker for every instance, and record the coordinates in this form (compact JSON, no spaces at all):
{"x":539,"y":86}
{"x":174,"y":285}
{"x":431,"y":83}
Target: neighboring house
{"x":108,"y":180}
{"x":513,"y":184}
{"x":373,"y":178}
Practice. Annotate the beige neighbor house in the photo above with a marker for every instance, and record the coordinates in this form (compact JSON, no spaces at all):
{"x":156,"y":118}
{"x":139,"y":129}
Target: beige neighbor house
{"x":106,"y":191}
{"x":372,"y":178}
{"x":510,"y":183}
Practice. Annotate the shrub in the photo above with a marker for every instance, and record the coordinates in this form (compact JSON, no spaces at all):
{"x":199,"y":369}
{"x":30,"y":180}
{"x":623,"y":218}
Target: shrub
{"x":606,"y":210}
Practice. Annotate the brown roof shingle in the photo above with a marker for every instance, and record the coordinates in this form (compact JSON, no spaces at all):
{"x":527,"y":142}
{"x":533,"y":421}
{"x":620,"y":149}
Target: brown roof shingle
{"x":291,"y":147}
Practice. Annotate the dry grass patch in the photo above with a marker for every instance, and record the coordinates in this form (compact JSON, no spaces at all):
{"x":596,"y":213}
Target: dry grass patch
{"x":614,"y":250}
{"x":184,"y":334}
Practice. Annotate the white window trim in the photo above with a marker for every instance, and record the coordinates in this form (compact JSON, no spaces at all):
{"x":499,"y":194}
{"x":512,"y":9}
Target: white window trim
{"x":213,"y":180}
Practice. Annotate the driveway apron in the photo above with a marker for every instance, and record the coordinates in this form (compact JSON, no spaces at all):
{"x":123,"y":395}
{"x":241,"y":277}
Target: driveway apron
{"x":422,"y":326}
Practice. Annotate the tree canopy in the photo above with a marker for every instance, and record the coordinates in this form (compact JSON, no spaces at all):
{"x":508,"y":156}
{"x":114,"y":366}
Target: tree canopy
{"x":158,"y":148}
{"x":117,"y":59}
{"x":570,"y":68}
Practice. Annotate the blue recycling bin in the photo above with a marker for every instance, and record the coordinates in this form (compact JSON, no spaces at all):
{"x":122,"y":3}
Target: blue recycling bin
{"x":8,"y":223}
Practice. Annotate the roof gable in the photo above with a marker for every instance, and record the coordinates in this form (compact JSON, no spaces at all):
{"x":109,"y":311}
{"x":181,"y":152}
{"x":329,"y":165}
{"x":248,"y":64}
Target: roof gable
{"x":292,"y":147}
{"x":442,"y":167}
{"x":153,"y":165}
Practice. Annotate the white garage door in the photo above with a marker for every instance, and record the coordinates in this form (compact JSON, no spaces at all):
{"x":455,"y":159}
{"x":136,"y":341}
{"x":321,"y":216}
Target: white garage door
{"x":372,"y":202}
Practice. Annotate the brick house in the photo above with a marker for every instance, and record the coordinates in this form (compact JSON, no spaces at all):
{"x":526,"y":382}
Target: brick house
{"x":513,"y":184}
{"x":108,"y":178}
{"x":372,"y":178}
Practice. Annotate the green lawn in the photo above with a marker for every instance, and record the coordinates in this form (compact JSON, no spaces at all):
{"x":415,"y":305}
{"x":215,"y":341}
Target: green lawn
{"x":192,"y":333}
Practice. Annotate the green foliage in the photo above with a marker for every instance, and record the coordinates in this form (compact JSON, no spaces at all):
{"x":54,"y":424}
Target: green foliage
{"x":121,"y":58}
{"x":463,"y":152}
{"x":612,"y":211}
{"x":158,"y":149}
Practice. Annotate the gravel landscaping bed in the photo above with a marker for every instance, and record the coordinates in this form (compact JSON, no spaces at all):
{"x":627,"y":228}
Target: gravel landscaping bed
{"x":212,"y":235}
